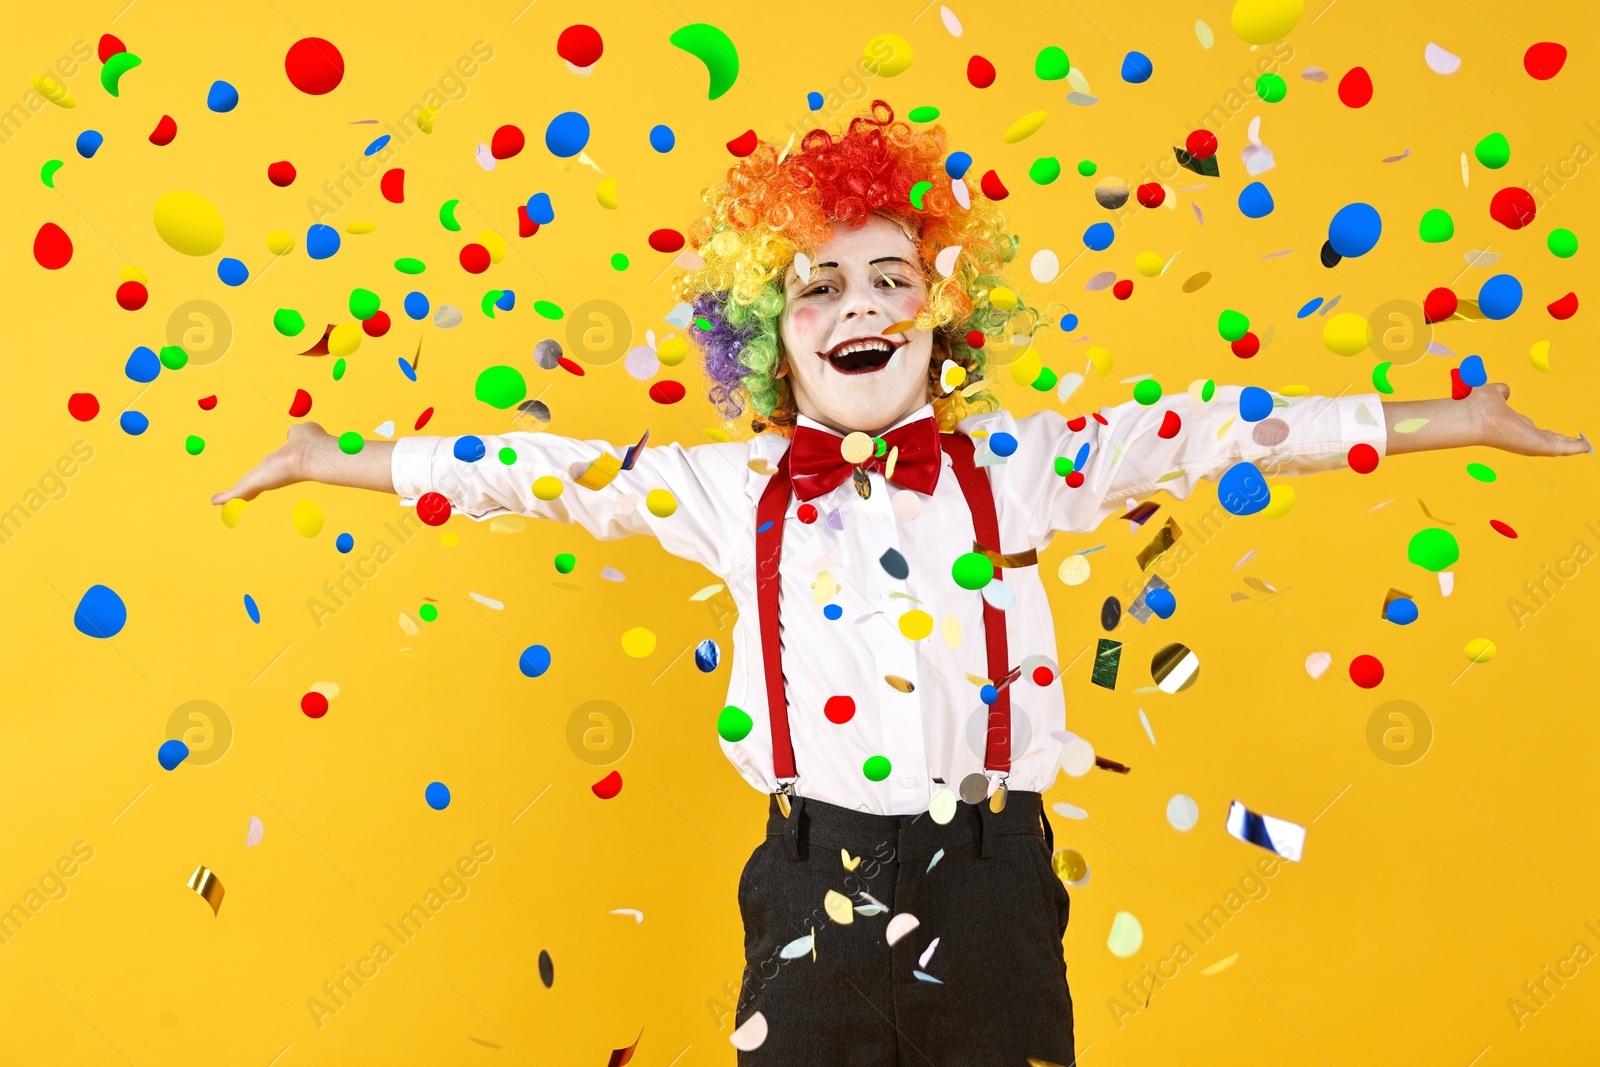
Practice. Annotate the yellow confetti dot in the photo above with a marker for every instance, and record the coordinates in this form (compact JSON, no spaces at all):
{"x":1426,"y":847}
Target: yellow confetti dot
{"x":1265,"y":21}
{"x":1027,"y":368}
{"x":280,"y":242}
{"x":494,"y":243}
{"x":950,"y":630}
{"x":232,"y":510}
{"x":54,"y":91}
{"x":837,"y":905}
{"x":130,"y":273}
{"x":307,"y":518}
{"x":425,"y":119}
{"x":1148,"y":263}
{"x":450,"y":540}
{"x":850,"y":862}
{"x":672,"y":351}
{"x":1481,"y":650}
{"x":638,"y":642}
{"x":361,"y":227}
{"x":1025,"y":127}
{"x":1101,"y":360}
{"x":345,"y":339}
{"x":607,"y":194}
{"x":1539,"y":355}
{"x":548,"y":487}
{"x":916,"y":624}
{"x":1347,"y":333}
{"x":1002,"y":298}
{"x":887,"y":54}
{"x":857,"y":447}
{"x":1295,"y":390}
{"x":188,"y":223}
{"x":661,"y":503}
{"x":1281,"y":503}
{"x":720,"y":436}
{"x":1074,"y":570}
{"x":951,"y":375}
{"x":1126,"y":935}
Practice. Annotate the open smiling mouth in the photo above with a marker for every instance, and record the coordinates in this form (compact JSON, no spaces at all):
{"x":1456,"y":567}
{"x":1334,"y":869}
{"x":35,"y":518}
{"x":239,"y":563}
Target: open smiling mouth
{"x":862,"y":355}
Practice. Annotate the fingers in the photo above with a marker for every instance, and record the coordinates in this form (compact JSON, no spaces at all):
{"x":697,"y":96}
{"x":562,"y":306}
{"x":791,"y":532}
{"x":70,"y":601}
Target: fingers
{"x":1502,"y":388}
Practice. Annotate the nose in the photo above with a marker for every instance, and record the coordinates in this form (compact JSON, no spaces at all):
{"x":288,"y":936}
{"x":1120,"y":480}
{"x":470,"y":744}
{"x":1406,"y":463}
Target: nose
{"x":858,"y":305}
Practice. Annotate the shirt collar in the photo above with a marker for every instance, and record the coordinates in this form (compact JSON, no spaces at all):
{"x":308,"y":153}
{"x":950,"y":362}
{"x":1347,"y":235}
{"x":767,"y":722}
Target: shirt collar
{"x":924,"y":412}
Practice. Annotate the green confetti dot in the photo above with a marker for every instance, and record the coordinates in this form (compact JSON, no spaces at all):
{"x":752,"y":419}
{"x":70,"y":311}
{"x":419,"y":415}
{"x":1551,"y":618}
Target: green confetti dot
{"x":1481,"y":472}
{"x":925,"y":113}
{"x":703,"y":324}
{"x":734,"y":725}
{"x":407,"y":265}
{"x":1433,"y":548}
{"x":565,"y":562}
{"x":1271,"y":88}
{"x":1087,"y":168}
{"x":428,"y":612}
{"x":876,"y":768}
{"x":1208,"y":390}
{"x":547,"y":309}
{"x":194,"y":445}
{"x":972,"y":570}
{"x":1051,"y":64}
{"x":486,"y":305}
{"x":619,"y":261}
{"x":880,"y":447}
{"x":1436,"y":226}
{"x":447,"y":215}
{"x":350,"y":443}
{"x":1232,"y":325}
{"x":1045,"y":170}
{"x":288,"y":321}
{"x":508,"y":456}
{"x":1493,"y":151}
{"x":1046,"y":380}
{"x":173,"y":357}
{"x":501,"y":386}
{"x":1563,"y":243}
{"x":363,"y":303}
{"x":1147,"y":392}
{"x":338,"y":368}
{"x":1063,"y":466}
{"x":1380,"y":377}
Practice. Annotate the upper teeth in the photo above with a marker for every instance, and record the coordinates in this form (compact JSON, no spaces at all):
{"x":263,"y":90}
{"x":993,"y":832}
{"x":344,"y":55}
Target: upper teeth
{"x":861,"y":346}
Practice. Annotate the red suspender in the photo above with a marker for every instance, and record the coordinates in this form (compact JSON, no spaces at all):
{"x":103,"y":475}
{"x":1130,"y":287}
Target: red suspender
{"x":770,"y":514}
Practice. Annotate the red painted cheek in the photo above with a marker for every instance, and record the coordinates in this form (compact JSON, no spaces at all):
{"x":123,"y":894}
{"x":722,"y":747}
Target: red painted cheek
{"x":804,"y":322}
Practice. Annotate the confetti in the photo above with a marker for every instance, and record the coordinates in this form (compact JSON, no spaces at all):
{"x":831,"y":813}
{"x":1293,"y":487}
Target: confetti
{"x":206,"y":884}
{"x":1287,"y":839}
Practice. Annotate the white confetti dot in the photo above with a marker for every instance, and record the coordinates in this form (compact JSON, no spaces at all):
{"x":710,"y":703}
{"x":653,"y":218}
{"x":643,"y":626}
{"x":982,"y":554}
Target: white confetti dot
{"x":1183,"y":813}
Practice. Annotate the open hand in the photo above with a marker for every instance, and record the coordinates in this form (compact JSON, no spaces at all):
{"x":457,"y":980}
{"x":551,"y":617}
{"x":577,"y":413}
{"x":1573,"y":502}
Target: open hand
{"x":1502,"y":427}
{"x":284,"y":467}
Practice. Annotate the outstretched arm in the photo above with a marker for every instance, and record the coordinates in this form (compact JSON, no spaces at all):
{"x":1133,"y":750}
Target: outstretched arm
{"x":1484,"y":418}
{"x":311,"y":454}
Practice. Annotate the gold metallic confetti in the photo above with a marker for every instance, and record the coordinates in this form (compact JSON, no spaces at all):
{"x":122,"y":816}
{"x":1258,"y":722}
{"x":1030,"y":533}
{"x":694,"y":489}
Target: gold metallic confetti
{"x":1163,"y":540}
{"x":205,"y":883}
{"x":1029,"y":558}
{"x":897,"y":682}
{"x":1070,"y":866}
{"x":862,"y":482}
{"x":623,"y":1055}
{"x":1389,"y":598}
{"x":601,"y":472}
{"x":1174,"y":668}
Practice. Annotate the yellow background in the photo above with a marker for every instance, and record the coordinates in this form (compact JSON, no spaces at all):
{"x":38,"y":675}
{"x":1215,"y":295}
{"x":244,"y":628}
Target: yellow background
{"x":1428,"y":893}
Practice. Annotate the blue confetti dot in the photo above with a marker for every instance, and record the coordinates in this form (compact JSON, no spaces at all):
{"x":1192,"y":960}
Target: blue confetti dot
{"x":133,"y":423}
{"x":814,"y":101}
{"x":957,"y":164}
{"x":376,"y":146}
{"x":172,"y":753}
{"x":1354,"y":230}
{"x":1255,"y":403}
{"x":707,"y":655}
{"x":322,"y":241}
{"x":566,"y":135}
{"x":540,"y":209}
{"x":832,"y":612}
{"x":662,"y":138}
{"x":1500,"y":297}
{"x":1254,"y":201}
{"x":407,"y":369}
{"x":251,"y":609}
{"x":1162,"y":602}
{"x":1473,"y":372}
{"x":534,"y":661}
{"x":1081,"y":458}
{"x":89,"y":142}
{"x":1401,"y":611}
{"x":988,"y":694}
{"x":1242,"y":490}
{"x":1308,"y":307}
{"x":232,"y":272}
{"x":506,"y":301}
{"x":222,"y":98}
{"x":344,"y":542}
{"x":469,"y":449}
{"x":101,"y":613}
{"x":764,"y":527}
{"x":1099,"y":236}
{"x":1002,"y":444}
{"x":143,"y":365}
{"x":1136,"y":68}
{"x":437,"y":795}
{"x":1069,"y":323}
{"x":416,"y":305}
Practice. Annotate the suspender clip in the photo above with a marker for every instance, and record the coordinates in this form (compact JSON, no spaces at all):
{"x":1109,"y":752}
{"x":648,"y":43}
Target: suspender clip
{"x":997,"y":799}
{"x":785,"y":791}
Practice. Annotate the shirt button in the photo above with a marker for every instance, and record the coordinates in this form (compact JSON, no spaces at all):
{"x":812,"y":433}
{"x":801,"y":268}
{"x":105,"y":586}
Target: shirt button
{"x":908,"y":780}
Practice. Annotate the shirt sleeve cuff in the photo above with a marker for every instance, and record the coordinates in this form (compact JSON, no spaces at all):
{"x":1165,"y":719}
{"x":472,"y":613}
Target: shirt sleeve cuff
{"x":1360,"y":421}
{"x":411,"y":467}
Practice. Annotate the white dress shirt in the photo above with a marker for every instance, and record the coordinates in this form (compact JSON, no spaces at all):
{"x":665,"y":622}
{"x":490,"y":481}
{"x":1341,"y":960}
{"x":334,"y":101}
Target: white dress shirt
{"x":937,"y":729}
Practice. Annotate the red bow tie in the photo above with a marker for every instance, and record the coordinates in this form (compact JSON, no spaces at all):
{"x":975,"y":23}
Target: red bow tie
{"x":816,"y":466}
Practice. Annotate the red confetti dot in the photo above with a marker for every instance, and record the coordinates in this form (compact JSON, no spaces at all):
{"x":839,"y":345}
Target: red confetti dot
{"x":1170,"y":425}
{"x":507,"y":142}
{"x":1123,"y":289}
{"x":743,"y":144}
{"x":1564,"y":308}
{"x":1246,"y":346}
{"x":1366,"y":671}
{"x":839,"y":710}
{"x":393,"y":185}
{"x":1363,"y":458}
{"x":1502,"y":529}
{"x":1355,"y":88}
{"x":570,"y":367}
{"x":526,"y":227}
{"x":1512,"y":207}
{"x":1101,"y":419}
{"x":314,"y":66}
{"x":376,"y":326}
{"x":1201,"y":144}
{"x":992,"y":186}
{"x":281,"y":173}
{"x":1043,"y":675}
{"x":110,"y":46}
{"x":1439,"y":305}
{"x":131,"y":295}
{"x":1077,"y":424}
{"x":301,"y":405}
{"x":1151,"y":194}
{"x":422,"y":420}
{"x":580,"y":45}
{"x":433,"y":508}
{"x":1075,"y":479}
{"x":52,"y":247}
{"x":806,"y":513}
{"x":207,"y":402}
{"x":980,"y":72}
{"x":1459,"y":389}
{"x":975,"y":338}
{"x":666,"y":240}
{"x":1544,"y":60}
{"x":83,"y":406}
{"x":315,"y":705}
{"x":474,"y":258}
{"x":609,"y":786}
{"x":667,"y":391}
{"x":164,"y":132}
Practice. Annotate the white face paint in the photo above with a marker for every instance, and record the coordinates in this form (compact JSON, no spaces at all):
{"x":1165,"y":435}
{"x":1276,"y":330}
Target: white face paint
{"x":844,"y":370}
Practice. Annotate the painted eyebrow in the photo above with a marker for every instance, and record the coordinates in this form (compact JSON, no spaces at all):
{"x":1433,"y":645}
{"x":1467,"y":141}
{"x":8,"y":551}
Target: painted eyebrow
{"x":882,"y":259}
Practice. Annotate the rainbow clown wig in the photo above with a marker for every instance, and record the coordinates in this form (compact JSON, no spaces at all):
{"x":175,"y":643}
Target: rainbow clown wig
{"x":773,"y":205}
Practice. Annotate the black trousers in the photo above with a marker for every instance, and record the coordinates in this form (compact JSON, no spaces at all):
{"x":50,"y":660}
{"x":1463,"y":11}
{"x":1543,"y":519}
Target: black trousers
{"x":995,"y":985}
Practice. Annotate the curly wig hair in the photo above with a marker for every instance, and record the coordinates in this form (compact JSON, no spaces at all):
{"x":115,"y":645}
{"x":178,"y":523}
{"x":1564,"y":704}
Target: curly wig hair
{"x":773,"y":205}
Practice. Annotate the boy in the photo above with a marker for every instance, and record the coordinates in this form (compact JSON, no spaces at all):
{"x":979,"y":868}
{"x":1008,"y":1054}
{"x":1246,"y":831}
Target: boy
{"x":886,"y":920}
